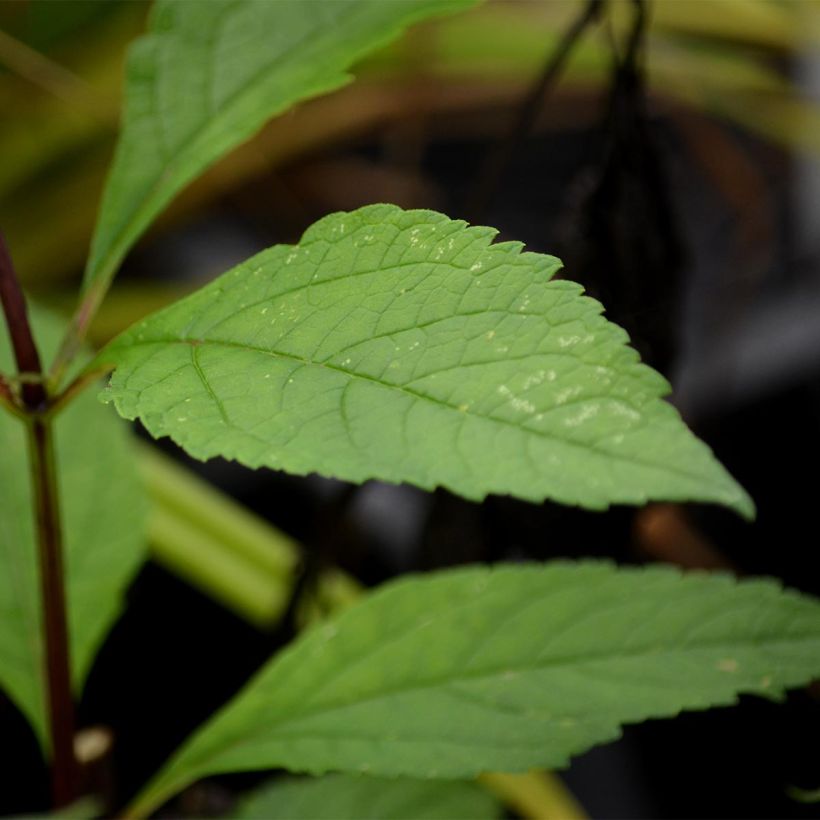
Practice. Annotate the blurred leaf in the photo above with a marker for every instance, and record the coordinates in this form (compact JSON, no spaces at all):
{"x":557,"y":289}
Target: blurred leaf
{"x":403,"y":346}
{"x":103,"y":510}
{"x":469,"y":670}
{"x":345,"y":797}
{"x":755,"y":22}
{"x":208,"y":76}
{"x":804,"y":795}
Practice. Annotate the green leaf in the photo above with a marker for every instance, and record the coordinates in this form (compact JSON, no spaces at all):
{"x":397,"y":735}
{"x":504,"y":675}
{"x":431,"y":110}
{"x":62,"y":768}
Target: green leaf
{"x":345,"y":797}
{"x":505,"y":669}
{"x":403,"y":346}
{"x":103,"y":510}
{"x":208,"y":75}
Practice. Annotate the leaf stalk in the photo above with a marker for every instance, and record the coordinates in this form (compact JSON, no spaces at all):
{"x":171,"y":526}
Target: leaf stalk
{"x":73,"y":339}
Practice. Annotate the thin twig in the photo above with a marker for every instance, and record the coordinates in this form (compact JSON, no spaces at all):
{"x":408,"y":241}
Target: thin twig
{"x":78,"y":327}
{"x":493,"y":172}
{"x":38,"y":69}
{"x":22,"y":340}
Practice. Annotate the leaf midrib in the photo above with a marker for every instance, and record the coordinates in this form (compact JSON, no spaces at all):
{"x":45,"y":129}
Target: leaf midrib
{"x":565,"y":661}
{"x":617,"y":456}
{"x":553,"y":663}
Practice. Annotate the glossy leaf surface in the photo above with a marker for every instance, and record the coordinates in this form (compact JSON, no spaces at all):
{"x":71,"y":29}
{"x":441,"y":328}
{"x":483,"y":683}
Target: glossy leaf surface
{"x":347,"y":797}
{"x":404,"y":346}
{"x":208,"y":75}
{"x":103,"y":509}
{"x":506,"y":669}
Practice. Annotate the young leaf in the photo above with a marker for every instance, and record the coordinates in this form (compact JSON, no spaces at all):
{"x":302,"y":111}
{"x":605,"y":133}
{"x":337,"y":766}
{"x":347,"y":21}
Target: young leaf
{"x":103,"y":510}
{"x":207,"y":76}
{"x":346,"y":797}
{"x":403,"y":346}
{"x":505,"y":669}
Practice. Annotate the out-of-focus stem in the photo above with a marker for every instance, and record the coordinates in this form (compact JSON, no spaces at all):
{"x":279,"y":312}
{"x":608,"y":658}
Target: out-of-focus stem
{"x":535,"y":795}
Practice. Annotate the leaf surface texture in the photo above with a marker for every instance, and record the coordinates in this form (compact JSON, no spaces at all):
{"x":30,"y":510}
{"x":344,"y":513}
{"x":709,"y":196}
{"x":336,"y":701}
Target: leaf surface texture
{"x":348,"y":797}
{"x":208,"y":75}
{"x":505,"y":669}
{"x":404,"y":346}
{"x":103,"y":508}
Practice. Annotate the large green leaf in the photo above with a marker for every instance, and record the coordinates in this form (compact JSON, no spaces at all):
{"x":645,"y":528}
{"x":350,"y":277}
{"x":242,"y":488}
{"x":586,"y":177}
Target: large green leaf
{"x":103,"y":510}
{"x":403,"y":346}
{"x":208,"y":75}
{"x":350,"y":797}
{"x":504,"y":669}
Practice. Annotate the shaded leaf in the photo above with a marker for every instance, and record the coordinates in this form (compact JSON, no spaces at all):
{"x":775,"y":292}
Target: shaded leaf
{"x":207,"y":76}
{"x":403,"y":346}
{"x":504,"y":669}
{"x":103,"y":509}
{"x":345,"y":797}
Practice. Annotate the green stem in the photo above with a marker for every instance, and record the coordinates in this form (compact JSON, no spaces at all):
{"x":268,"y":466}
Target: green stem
{"x":55,"y":627}
{"x":182,"y":493}
{"x":194,"y":553}
{"x":216,"y":544}
{"x":90,"y":303}
{"x":534,"y":795}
